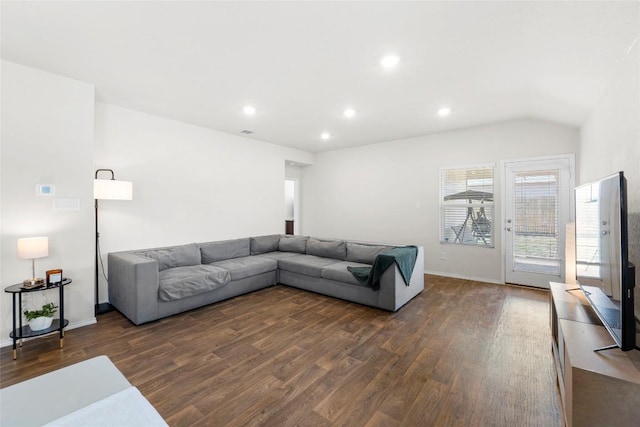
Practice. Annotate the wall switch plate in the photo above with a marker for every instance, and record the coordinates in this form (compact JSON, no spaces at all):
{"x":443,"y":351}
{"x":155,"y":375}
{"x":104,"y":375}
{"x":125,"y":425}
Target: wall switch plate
{"x":443,"y":256}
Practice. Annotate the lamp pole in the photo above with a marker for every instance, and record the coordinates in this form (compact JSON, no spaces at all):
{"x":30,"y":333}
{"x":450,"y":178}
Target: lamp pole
{"x":104,"y":307}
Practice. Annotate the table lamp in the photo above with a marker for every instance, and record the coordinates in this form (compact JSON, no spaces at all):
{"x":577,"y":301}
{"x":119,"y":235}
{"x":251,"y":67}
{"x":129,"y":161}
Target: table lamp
{"x":32,"y":248}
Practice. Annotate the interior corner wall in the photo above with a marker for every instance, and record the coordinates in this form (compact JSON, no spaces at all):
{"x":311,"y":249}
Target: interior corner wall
{"x":389,"y":192}
{"x":190,"y":183}
{"x":47,"y":138}
{"x":610,"y":142}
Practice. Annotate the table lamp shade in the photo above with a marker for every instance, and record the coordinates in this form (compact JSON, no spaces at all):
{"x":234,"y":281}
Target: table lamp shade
{"x":33,"y":247}
{"x":110,"y":189}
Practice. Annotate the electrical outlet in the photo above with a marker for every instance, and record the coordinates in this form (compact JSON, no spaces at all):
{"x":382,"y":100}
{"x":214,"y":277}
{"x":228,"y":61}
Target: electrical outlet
{"x":443,"y":256}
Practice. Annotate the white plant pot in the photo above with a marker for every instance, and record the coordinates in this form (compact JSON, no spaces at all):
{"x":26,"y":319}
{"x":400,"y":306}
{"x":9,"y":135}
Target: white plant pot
{"x":40,"y":323}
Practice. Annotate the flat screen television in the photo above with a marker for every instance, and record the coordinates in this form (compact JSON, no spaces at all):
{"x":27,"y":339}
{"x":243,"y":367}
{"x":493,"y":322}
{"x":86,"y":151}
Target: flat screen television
{"x":603,"y":270}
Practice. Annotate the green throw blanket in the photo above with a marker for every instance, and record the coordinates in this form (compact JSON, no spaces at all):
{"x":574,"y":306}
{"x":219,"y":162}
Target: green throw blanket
{"x":404,"y":257}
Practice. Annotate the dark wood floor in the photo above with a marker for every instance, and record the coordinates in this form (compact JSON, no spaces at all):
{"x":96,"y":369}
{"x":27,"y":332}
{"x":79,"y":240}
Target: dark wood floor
{"x":461,"y":353}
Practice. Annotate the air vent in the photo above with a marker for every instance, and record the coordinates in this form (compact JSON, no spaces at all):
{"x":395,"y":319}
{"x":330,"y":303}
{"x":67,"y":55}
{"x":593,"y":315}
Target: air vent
{"x":246,"y":132}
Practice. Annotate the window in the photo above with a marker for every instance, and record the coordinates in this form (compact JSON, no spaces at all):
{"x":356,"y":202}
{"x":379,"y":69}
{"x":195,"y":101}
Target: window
{"x":536,"y":210}
{"x":466,"y":206}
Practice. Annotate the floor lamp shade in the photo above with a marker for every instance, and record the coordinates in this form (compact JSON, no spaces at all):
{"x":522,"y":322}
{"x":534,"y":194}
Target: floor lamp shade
{"x":110,"y":189}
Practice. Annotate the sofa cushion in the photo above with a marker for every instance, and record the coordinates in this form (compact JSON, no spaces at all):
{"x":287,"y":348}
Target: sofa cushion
{"x":226,"y":249}
{"x":182,"y":282}
{"x":338,"y":271}
{"x":247,"y":266}
{"x":175,"y":256}
{"x":293,"y":244}
{"x":278,"y":255}
{"x":364,"y":253}
{"x":309,"y":265}
{"x":327,"y":248}
{"x":264,"y":244}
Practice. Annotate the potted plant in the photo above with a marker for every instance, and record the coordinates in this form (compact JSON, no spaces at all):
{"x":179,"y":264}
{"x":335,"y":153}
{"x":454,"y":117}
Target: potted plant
{"x":41,"y":319}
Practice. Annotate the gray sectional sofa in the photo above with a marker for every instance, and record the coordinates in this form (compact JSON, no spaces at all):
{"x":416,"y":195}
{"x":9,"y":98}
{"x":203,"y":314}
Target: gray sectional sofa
{"x":150,"y":284}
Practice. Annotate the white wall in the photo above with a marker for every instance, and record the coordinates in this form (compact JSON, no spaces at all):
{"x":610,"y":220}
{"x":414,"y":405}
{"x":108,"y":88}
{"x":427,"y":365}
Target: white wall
{"x":47,"y":138}
{"x":610,"y":142}
{"x":190,"y":184}
{"x":389,"y":192}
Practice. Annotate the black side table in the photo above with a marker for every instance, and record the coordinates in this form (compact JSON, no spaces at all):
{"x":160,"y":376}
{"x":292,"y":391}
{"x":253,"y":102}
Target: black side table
{"x":19,"y":331}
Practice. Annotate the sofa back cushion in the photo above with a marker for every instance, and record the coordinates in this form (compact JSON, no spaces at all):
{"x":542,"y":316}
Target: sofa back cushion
{"x":226,"y":249}
{"x":327,"y":248}
{"x":293,"y":244}
{"x":175,"y":256}
{"x":358,"y":252}
{"x":264,"y":244}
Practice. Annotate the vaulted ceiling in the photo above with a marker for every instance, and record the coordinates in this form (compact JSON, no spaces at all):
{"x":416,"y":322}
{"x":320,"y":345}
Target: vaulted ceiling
{"x":301,"y":64}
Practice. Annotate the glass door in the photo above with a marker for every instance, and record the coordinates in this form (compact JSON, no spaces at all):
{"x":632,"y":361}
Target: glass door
{"x":537,"y":208}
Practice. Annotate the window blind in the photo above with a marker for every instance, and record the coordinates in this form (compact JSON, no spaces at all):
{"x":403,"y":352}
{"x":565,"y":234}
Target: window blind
{"x":466,"y":205}
{"x":536,"y":221}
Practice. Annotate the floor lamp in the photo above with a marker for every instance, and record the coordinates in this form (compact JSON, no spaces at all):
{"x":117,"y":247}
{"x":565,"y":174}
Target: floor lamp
{"x":107,"y":189}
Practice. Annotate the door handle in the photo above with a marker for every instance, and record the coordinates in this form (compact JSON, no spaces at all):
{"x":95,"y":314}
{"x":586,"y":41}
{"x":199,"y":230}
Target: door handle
{"x":508,"y":228}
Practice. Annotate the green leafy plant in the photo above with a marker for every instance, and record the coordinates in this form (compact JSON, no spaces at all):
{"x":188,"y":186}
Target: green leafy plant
{"x":48,"y":310}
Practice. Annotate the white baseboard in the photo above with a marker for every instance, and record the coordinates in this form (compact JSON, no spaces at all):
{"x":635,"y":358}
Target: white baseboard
{"x":459,"y":276}
{"x":72,"y":325}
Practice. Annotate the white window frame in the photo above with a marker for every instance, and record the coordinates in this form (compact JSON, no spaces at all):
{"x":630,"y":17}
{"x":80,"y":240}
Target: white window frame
{"x":476,"y":242}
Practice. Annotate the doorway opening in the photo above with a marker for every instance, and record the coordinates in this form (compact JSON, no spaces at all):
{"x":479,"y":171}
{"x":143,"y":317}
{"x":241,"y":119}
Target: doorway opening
{"x":289,"y":206}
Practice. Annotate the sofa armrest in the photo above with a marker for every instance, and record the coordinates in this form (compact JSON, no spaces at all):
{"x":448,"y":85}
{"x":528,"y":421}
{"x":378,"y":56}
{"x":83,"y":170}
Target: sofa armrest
{"x":133,"y":286}
{"x":394,"y":293}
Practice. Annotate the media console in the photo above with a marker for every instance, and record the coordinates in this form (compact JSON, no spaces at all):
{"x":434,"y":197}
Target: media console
{"x":596,"y":388}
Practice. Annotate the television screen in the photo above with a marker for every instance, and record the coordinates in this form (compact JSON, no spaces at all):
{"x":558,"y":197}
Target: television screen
{"x":602,"y":265}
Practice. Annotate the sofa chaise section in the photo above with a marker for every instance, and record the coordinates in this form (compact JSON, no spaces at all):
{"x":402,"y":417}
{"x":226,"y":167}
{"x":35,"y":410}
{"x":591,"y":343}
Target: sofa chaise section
{"x":324,"y":270}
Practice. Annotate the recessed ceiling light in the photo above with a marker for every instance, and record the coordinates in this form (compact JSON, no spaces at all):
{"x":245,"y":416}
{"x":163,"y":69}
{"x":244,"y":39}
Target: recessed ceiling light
{"x":389,"y":61}
{"x":349,"y":112}
{"x":249,"y":110}
{"x":325,"y":135}
{"x":444,"y":111}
